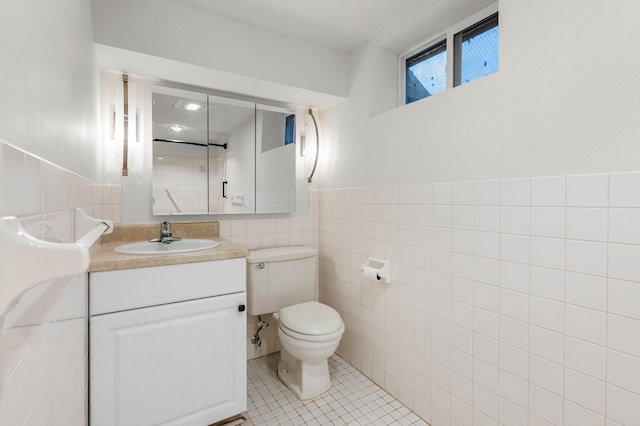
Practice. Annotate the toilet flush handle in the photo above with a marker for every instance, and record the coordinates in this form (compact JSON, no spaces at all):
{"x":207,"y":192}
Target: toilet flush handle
{"x":260,"y":265}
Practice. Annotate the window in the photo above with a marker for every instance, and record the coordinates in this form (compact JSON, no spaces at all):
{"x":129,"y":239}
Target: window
{"x":426,"y":72}
{"x":476,"y":50}
{"x":289,"y":129}
{"x":470,"y":51}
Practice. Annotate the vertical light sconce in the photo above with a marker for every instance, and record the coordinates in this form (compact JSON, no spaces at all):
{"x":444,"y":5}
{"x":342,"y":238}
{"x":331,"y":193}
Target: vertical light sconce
{"x":125,"y":117}
{"x":317,"y":147}
{"x":123,"y":124}
{"x":125,"y":127}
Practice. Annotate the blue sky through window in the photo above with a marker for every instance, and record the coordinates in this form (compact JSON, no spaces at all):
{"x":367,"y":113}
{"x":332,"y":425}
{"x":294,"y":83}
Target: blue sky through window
{"x":427,"y":77}
{"x":479,"y":56}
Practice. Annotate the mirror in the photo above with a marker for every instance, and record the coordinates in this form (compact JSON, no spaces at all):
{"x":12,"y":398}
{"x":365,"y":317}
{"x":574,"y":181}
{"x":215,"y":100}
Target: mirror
{"x":275,"y":160}
{"x":232,"y":136}
{"x":216,"y":155}
{"x":180,"y":152}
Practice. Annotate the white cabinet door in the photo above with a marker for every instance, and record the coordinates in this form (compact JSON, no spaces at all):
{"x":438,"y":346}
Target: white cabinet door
{"x":177,"y":364}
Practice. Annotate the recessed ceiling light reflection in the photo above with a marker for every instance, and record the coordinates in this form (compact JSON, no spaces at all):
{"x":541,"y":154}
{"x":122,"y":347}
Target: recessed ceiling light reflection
{"x":187,"y":105}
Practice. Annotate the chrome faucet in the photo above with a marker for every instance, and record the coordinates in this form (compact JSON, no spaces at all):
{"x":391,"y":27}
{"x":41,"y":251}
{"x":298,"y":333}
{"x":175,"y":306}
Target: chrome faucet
{"x":166,"y":237}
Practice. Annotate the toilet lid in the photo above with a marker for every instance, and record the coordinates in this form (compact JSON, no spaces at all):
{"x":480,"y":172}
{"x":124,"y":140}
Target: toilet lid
{"x":311,"y":318}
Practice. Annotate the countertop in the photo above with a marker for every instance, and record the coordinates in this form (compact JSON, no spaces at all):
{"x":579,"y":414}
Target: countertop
{"x":103,"y":258}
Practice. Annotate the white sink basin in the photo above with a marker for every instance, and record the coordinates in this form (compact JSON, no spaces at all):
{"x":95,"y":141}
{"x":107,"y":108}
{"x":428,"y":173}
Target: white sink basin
{"x":175,"y":247}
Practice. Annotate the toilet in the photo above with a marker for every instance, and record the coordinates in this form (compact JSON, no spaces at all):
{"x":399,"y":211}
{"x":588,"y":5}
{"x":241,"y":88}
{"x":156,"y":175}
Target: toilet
{"x":283,"y":281}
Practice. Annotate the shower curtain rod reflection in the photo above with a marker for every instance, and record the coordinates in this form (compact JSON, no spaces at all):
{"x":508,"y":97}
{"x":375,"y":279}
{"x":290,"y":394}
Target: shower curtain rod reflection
{"x":221,"y":145}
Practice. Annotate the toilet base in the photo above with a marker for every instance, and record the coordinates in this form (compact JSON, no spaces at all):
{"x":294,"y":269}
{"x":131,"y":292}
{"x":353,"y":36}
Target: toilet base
{"x":305,"y":380}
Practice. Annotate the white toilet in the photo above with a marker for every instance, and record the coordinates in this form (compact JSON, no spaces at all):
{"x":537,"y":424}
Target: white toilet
{"x":283,"y":281}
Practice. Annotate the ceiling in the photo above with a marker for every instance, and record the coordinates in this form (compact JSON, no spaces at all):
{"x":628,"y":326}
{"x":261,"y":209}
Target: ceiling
{"x":341,"y":26}
{"x":344,"y":25}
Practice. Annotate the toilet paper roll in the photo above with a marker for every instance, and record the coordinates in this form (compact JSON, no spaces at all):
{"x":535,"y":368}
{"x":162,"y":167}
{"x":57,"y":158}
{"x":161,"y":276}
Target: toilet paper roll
{"x":371,"y":273}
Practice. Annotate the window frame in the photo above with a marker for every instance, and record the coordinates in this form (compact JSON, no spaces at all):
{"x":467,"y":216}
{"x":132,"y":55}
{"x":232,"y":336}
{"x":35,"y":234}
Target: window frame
{"x":434,"y":49}
{"x":447,"y":35}
{"x":460,"y":37}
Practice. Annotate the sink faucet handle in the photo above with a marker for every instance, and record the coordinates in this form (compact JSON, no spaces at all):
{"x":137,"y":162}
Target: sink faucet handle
{"x":165,"y":228}
{"x":166,"y":236}
{"x":165,"y":233}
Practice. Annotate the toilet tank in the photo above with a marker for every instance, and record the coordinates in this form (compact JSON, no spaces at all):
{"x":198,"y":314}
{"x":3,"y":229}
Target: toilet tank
{"x":279,"y":277}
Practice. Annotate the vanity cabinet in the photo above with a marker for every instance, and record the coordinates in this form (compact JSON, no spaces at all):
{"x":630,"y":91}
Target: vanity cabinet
{"x":167,"y":344}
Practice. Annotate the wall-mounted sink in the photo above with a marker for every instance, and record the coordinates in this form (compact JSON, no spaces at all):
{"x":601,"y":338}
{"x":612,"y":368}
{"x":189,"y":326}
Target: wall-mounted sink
{"x":175,"y":247}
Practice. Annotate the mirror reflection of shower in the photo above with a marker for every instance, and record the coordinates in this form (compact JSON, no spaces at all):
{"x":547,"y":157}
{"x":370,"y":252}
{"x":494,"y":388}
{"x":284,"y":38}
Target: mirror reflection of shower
{"x":218,"y":155}
{"x":232,"y":129}
{"x":179,"y":153}
{"x":217,"y":178}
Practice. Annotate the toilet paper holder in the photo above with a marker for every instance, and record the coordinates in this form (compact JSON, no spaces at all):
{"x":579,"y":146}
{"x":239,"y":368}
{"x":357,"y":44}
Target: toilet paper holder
{"x":377,"y":269}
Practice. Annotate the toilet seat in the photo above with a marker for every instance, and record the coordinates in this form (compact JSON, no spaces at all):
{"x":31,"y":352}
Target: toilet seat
{"x":311,"y":321}
{"x":312,"y":337}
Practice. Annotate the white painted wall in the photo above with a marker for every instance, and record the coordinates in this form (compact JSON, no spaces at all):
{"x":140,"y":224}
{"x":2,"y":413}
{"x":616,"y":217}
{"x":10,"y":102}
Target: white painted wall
{"x":137,"y":187}
{"x":564,"y":101}
{"x":48,"y":81}
{"x":345,"y":154}
{"x":170,"y":30}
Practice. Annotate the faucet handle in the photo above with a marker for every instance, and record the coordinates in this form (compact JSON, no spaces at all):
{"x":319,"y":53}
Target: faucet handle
{"x":165,"y":227}
{"x":165,"y":233}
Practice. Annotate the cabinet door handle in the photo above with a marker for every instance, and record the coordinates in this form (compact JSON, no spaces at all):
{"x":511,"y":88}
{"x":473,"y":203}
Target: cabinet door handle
{"x":241,"y":308}
{"x":224,"y":189}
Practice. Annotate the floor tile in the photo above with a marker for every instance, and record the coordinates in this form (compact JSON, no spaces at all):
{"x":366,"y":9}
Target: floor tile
{"x":352,"y":400}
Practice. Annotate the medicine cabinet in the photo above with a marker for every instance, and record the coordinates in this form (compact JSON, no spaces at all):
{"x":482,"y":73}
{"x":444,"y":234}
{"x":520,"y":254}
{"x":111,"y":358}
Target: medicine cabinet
{"x":218,"y":155}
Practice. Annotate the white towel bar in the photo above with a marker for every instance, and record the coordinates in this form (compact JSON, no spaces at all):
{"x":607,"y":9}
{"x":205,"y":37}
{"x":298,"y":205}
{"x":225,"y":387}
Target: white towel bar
{"x":26,"y":261}
{"x":90,"y":227}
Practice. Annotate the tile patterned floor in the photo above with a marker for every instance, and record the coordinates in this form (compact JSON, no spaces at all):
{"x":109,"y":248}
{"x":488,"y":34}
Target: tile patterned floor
{"x":352,"y":400}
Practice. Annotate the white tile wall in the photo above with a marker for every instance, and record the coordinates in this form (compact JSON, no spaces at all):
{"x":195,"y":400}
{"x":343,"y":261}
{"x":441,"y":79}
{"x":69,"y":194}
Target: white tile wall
{"x":43,"y":352}
{"x":185,"y":178}
{"x":275,"y":201}
{"x":512,"y":301}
